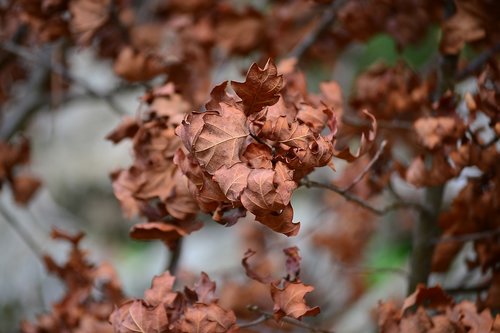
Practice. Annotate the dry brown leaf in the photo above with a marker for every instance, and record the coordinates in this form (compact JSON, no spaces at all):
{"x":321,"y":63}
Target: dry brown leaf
{"x":289,"y":300}
{"x":260,"y":89}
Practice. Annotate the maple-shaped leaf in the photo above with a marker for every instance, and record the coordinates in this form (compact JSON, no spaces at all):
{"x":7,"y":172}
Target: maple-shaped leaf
{"x":290,"y":134}
{"x":289,"y":300}
{"x":314,"y":118}
{"x":260,"y":89}
{"x":161,"y":290}
{"x":204,"y":289}
{"x":202,"y":318}
{"x":258,"y":156}
{"x":136,"y":316}
{"x":260,"y":196}
{"x":233,"y":180}
{"x":220,"y":141}
{"x":283,"y":178}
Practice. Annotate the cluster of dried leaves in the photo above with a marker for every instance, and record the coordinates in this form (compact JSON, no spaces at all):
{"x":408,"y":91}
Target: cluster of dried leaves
{"x":163,"y":310}
{"x":246,"y":154}
{"x":248,"y":151}
{"x":92,"y":293}
{"x":432,"y":310}
{"x":197,"y":309}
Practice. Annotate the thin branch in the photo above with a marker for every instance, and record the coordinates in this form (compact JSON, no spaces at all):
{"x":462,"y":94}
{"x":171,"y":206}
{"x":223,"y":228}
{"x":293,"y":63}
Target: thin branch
{"x":362,"y":203}
{"x":469,"y":289}
{"x":258,"y":321}
{"x":23,"y":108}
{"x":288,"y":320}
{"x":22,"y":233}
{"x":477,"y":63}
{"x":392,"y":124}
{"x":327,"y":19}
{"x":175,"y":257}
{"x":63,"y":72}
{"x":468,"y":237}
{"x":367,"y":167}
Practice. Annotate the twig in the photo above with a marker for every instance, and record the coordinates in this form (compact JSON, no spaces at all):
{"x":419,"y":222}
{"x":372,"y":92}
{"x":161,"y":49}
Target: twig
{"x":362,"y":203}
{"x":23,"y":108}
{"x":468,"y":237}
{"x":63,"y":72}
{"x":427,"y":227}
{"x":173,"y":263}
{"x":326,"y":20}
{"x":367,"y":167}
{"x":469,"y":289}
{"x":476,"y":63}
{"x":258,"y":321}
{"x":392,"y":124}
{"x":268,"y":315}
{"x":22,"y":233}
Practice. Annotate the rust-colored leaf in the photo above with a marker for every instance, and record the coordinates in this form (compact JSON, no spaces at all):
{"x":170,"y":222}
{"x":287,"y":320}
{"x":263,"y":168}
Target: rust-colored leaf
{"x":289,"y":300}
{"x":260,"y":89}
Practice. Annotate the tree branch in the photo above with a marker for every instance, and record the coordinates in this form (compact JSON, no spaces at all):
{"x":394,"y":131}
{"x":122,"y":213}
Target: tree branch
{"x":325,"y":21}
{"x":367,"y":167}
{"x":477,"y":63}
{"x":357,"y":200}
{"x":468,"y":237}
{"x":63,"y":72}
{"x":268,"y":315}
{"x":21,"y":232}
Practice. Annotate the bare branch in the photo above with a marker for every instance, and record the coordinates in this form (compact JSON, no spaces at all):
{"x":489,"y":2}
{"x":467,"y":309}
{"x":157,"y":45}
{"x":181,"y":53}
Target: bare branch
{"x":23,"y":234}
{"x":391,"y":124}
{"x":469,"y":289}
{"x":268,"y":315}
{"x":63,"y":72}
{"x":362,"y":203}
{"x":367,"y":167}
{"x":477,"y":63}
{"x":326,"y":20}
{"x":468,"y":237}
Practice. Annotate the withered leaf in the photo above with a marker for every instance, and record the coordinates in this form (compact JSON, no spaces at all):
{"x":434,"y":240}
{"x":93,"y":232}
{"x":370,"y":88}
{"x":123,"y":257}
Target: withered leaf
{"x":127,"y":129}
{"x":292,"y":263}
{"x":24,"y":187}
{"x":260,"y":89}
{"x":233,"y":180}
{"x":166,"y":232}
{"x":432,"y":131}
{"x":136,"y":66}
{"x":137,"y":316}
{"x":250,"y":272}
{"x":202,"y":318}
{"x":289,"y":300}
{"x":87,"y":17}
{"x":161,"y":290}
{"x":205,"y":289}
{"x":434,"y":297}
{"x":260,"y":196}
{"x":221,"y":139}
{"x":365,"y":143}
{"x":281,"y":222}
